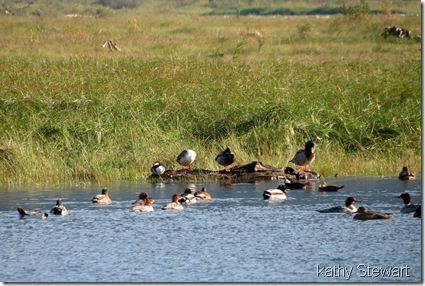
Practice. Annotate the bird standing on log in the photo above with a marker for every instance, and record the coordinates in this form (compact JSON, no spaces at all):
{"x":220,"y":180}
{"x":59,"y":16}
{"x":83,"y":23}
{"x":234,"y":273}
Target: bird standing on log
{"x":305,"y":156}
{"x":225,"y":158}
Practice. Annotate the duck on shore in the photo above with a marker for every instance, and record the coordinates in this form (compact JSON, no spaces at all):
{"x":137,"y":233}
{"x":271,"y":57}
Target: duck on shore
{"x":157,"y":169}
{"x":304,"y":157}
{"x":226,"y":158}
{"x":186,"y":158}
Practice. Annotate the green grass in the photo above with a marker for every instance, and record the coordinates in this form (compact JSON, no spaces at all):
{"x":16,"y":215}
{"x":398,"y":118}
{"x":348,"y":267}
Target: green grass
{"x":71,"y":111}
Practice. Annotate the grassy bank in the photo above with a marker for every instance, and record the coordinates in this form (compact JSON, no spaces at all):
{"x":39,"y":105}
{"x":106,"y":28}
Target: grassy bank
{"x":73,"y":111}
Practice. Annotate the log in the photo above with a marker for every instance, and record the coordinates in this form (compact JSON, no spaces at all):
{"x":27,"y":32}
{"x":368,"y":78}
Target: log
{"x":249,"y":173}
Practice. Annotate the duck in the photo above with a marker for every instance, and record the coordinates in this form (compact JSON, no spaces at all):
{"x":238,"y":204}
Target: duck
{"x":59,"y":209}
{"x":275,"y":194}
{"x":418,"y":212}
{"x":174,"y":205}
{"x":103,"y":198}
{"x":37,"y":214}
{"x":304,"y":157}
{"x":291,"y":185}
{"x":348,"y":208}
{"x":186,"y":157}
{"x":187,"y":197}
{"x":406,"y":175}
{"x":324,"y":187}
{"x":146,"y":207}
{"x":408,"y":207}
{"x":226,"y":158}
{"x":202,"y":195}
{"x":363,"y":214}
{"x":157,"y":168}
{"x":142,"y":199}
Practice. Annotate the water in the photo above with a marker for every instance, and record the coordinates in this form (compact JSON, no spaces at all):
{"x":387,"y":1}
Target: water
{"x":235,"y":237}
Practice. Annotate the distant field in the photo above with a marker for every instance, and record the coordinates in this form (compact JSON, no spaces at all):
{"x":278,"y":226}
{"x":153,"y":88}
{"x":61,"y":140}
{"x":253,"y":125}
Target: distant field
{"x":73,"y":111}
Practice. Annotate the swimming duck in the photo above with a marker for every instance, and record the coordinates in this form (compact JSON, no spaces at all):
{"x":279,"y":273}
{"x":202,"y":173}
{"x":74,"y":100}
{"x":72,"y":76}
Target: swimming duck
{"x":347,"y":208}
{"x":146,"y":207}
{"x":174,"y":205}
{"x":305,"y":156}
{"x":291,"y":185}
{"x":186,"y":158}
{"x":102,"y":198}
{"x":37,"y":214}
{"x":324,"y":187}
{"x":187,"y":197}
{"x":59,"y":209}
{"x":202,"y":195}
{"x":142,"y":199}
{"x":363,"y":214}
{"x":406,"y":175}
{"x":408,"y":207}
{"x":275,"y":194}
{"x":157,"y":168}
{"x":418,"y":212}
{"x":225,"y":158}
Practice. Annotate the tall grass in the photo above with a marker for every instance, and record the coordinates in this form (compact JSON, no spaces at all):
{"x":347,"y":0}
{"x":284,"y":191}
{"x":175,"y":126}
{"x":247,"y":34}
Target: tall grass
{"x":71,"y":111}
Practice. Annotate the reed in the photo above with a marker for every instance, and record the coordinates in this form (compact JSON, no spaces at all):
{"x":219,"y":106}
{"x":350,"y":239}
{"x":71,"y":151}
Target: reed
{"x":73,"y":111}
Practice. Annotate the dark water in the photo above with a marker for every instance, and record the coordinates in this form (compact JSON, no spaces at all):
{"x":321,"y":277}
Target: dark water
{"x":235,"y":237}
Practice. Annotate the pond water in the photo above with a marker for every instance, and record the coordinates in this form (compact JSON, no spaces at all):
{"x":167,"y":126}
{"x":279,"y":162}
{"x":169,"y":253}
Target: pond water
{"x":235,"y":237}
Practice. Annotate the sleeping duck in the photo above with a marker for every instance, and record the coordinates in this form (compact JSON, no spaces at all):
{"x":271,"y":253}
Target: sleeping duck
{"x":59,"y":209}
{"x":202,"y":195}
{"x":187,"y":197}
{"x":225,"y":158}
{"x":157,"y":169}
{"x":146,"y":207}
{"x":364,"y":214}
{"x":174,"y":205}
{"x":102,"y":198}
{"x":186,"y":157}
{"x":275,"y":194}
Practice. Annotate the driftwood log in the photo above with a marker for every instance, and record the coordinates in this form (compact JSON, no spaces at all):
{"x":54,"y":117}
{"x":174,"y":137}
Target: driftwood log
{"x":249,"y":173}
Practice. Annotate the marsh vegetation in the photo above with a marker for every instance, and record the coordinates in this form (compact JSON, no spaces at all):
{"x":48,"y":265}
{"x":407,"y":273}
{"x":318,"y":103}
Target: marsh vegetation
{"x":73,"y":111}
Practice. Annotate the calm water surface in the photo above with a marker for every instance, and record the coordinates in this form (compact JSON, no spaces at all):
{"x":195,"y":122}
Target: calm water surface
{"x":235,"y":237}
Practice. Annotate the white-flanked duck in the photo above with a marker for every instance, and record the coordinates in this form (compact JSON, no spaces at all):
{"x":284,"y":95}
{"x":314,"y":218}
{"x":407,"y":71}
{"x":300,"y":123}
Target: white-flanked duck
{"x":202,"y":195}
{"x":35,"y":214}
{"x":102,"y":198}
{"x":364,"y":214}
{"x":305,"y":156}
{"x":408,"y":207}
{"x":187,"y":197}
{"x":275,"y":194}
{"x":146,"y":207}
{"x":406,"y":175}
{"x":157,"y":168}
{"x":59,"y":209}
{"x":348,"y":208}
{"x":186,"y":158}
{"x":225,"y":158}
{"x":174,"y":205}
{"x":324,"y":187}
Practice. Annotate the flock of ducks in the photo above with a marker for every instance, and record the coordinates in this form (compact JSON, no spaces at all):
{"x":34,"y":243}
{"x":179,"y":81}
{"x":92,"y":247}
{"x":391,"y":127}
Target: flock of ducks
{"x":302,"y":158}
{"x":362,"y":213}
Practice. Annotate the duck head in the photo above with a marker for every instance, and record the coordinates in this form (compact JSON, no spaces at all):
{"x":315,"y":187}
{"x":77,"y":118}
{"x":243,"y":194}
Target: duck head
{"x":350,"y":200}
{"x":407,"y":199}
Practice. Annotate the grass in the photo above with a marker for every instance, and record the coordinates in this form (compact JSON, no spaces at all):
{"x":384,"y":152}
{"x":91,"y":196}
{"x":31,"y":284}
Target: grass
{"x":71,"y":111}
